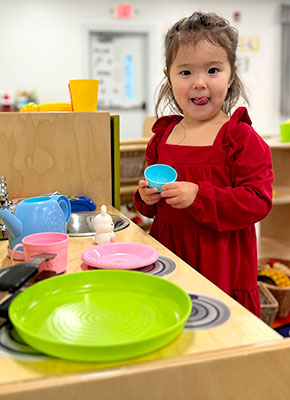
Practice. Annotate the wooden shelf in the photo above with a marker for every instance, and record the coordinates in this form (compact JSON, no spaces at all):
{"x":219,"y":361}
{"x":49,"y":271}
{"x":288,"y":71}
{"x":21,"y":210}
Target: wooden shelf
{"x":128,"y":189}
{"x":131,"y":180}
{"x":276,"y":143}
{"x":275,"y":228}
{"x":281,"y":195}
{"x":132,"y":164}
{"x":133,"y":148}
{"x":271,"y":248}
{"x":135,"y":141}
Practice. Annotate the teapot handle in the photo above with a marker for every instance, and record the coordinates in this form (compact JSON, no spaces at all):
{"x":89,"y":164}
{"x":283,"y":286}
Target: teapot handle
{"x":64,"y":204}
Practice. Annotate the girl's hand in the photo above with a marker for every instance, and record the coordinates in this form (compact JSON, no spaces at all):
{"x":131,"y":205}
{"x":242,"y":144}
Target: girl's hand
{"x":148,"y":195}
{"x":179,"y":194}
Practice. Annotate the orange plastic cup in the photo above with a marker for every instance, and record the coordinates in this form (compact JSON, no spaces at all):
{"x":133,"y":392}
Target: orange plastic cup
{"x":84,"y":94}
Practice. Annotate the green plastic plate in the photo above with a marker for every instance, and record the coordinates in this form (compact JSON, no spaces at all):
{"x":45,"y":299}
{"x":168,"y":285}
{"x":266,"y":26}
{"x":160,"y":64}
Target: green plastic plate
{"x":106,"y":315}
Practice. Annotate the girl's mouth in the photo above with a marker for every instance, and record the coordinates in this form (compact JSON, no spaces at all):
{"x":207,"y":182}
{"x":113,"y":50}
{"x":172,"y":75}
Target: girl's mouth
{"x":200,"y":101}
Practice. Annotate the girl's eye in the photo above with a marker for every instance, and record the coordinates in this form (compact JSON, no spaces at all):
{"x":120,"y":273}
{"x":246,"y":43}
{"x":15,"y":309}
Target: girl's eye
{"x":183,"y":73}
{"x":213,"y":70}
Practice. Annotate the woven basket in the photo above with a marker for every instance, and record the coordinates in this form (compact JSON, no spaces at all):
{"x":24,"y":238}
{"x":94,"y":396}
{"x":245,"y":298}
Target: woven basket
{"x":132,"y":165}
{"x":281,"y":294}
{"x":269,"y":305}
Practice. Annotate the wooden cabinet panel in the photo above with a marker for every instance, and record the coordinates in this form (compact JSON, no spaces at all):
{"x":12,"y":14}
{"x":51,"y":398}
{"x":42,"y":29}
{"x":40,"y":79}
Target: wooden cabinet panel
{"x":64,"y":151}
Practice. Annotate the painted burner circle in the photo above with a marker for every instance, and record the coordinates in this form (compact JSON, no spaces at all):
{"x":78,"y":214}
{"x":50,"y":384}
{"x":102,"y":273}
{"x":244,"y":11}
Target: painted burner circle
{"x":207,"y":313}
{"x":163,"y":266}
{"x":12,"y":346}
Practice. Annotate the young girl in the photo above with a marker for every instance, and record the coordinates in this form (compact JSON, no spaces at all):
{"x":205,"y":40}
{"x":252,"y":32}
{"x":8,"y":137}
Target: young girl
{"x":224,"y":168}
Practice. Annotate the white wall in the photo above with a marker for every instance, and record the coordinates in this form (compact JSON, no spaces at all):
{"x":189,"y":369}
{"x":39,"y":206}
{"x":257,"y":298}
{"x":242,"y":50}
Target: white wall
{"x":42,"y":44}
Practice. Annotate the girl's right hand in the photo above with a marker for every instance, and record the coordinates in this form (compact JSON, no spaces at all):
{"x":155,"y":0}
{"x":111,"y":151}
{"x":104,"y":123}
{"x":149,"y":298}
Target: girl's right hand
{"x":150,"y":196}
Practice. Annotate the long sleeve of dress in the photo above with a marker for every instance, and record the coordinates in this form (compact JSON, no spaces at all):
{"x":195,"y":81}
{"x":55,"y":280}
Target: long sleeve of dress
{"x":145,"y":209}
{"x":249,"y":198}
{"x":151,"y":156}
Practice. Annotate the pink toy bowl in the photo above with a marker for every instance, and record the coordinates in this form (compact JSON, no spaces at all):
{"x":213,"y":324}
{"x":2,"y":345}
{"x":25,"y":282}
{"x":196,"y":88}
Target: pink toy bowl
{"x":120,"y":255}
{"x":46,"y":242}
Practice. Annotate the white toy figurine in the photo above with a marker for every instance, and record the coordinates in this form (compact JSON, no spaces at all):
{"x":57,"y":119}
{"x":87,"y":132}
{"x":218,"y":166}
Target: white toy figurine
{"x":104,"y":227}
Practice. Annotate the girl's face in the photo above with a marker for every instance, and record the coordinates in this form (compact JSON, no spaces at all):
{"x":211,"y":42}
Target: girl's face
{"x":200,"y":76}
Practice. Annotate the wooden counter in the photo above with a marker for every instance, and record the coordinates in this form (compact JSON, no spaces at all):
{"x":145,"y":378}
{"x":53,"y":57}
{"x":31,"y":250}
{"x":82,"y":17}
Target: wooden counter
{"x":240,"y":359}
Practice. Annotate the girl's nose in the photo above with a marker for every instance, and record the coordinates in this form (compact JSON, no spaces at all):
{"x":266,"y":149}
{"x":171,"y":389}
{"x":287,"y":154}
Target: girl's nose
{"x":199,"y":82}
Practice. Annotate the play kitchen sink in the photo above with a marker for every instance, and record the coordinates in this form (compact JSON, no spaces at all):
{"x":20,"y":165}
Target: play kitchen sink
{"x":81,"y":223}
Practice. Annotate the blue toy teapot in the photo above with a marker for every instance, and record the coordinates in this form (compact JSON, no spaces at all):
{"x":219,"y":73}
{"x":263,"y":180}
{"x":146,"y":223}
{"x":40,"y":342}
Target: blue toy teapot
{"x":34,"y":215}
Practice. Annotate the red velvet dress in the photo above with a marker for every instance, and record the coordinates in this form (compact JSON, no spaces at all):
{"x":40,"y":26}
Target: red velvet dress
{"x":216,"y":234}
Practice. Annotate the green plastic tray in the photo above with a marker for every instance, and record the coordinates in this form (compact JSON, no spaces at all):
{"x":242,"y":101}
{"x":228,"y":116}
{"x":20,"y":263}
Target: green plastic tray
{"x":106,"y":315}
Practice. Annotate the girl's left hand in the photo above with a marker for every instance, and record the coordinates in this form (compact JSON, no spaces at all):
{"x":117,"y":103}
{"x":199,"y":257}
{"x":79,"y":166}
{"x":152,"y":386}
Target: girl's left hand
{"x":179,"y":194}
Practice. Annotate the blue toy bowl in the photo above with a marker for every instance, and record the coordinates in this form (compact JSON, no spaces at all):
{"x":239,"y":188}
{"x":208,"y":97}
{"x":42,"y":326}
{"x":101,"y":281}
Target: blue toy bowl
{"x":159,"y":174}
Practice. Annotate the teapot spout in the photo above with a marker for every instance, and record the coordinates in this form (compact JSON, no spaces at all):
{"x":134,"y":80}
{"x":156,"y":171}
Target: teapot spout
{"x":13,"y":224}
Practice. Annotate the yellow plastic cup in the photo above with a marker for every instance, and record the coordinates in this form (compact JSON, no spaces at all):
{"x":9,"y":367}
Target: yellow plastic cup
{"x":84,"y":94}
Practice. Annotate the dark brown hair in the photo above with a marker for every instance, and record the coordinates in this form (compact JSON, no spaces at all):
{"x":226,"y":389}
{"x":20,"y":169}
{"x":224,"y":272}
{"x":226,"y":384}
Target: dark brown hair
{"x":190,"y":31}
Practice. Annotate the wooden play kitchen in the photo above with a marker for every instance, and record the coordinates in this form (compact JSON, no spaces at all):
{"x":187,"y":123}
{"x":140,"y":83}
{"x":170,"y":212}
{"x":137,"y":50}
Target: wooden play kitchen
{"x":239,"y":358}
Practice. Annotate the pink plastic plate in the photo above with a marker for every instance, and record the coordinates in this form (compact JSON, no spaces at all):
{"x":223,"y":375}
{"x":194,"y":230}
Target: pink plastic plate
{"x":120,"y":255}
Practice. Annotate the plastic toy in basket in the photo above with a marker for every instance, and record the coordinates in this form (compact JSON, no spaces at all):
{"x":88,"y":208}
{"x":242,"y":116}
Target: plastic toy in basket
{"x":279,"y":276}
{"x":274,"y":276}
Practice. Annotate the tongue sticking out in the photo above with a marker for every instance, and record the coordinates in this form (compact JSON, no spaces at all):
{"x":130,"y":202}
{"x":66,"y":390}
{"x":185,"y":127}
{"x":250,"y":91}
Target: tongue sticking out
{"x":200,"y":101}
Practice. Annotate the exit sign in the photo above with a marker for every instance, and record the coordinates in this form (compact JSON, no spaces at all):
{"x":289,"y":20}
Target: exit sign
{"x":124,"y":11}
